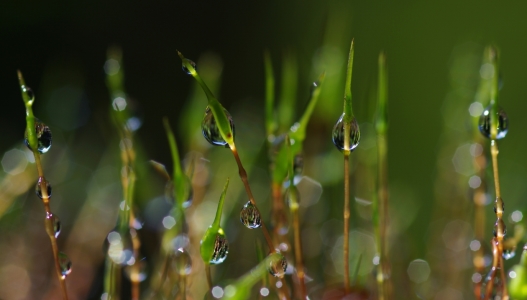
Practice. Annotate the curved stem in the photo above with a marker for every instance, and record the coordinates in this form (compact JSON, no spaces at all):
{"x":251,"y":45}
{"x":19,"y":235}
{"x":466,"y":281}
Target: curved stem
{"x":243,"y":176}
{"x":209,"y":276}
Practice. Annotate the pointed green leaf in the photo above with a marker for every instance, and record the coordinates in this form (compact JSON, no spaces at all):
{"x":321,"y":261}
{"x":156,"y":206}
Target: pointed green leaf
{"x":348,"y":111}
{"x":270,"y":120}
{"x":217,"y":109}
{"x":30,"y":118}
{"x":209,"y":239}
{"x":180,"y":180}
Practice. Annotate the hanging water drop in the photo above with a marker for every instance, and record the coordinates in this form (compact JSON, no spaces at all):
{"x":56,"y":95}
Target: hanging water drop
{"x":119,"y":247}
{"x":503,"y":123}
{"x":55,"y":221}
{"x":65,"y":264}
{"x":221,"y":249}
{"x":211,"y":131}
{"x":509,"y":253}
{"x":277,"y":267}
{"x":185,"y":69}
{"x":43,"y":137}
{"x":250,"y":216}
{"x":181,"y":262}
{"x":30,"y":93}
{"x":339,"y":136}
{"x":38,"y":187}
{"x":499,"y":228}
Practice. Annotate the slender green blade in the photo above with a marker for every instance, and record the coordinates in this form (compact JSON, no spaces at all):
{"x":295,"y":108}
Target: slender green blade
{"x":209,"y":239}
{"x":30,"y":118}
{"x":381,"y":122}
{"x":217,"y":109}
{"x":180,"y":180}
{"x":286,"y":107}
{"x":348,"y":111}
{"x":270,"y":120}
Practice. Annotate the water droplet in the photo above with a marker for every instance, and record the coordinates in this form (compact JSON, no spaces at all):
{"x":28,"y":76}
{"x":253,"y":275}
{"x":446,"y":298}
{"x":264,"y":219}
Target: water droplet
{"x":43,"y":137}
{"x":499,"y":206}
{"x":338,"y":134}
{"x":181,"y":262}
{"x":119,"y":247}
{"x":250,"y":216}
{"x":210,"y":130}
{"x":298,"y":164}
{"x":30,"y":93}
{"x":509,"y":253}
{"x":500,"y":228}
{"x":185,"y":69}
{"x":65,"y":264}
{"x":277,"y":267}
{"x":139,"y":275}
{"x":221,"y":249}
{"x":503,"y":123}
{"x":56,"y":224}
{"x":291,"y":192}
{"x":38,"y":188}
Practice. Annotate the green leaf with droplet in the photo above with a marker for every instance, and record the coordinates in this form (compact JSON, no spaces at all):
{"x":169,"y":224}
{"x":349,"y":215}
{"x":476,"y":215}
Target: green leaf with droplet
{"x":297,"y":134}
{"x":270,"y":120}
{"x":30,"y":118}
{"x":209,"y":239}
{"x":217,"y":109}
{"x":241,"y":289}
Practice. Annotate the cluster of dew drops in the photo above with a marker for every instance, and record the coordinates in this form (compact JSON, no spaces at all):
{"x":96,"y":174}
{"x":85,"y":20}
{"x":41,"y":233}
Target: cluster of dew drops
{"x":44,"y":139}
{"x":249,"y":215}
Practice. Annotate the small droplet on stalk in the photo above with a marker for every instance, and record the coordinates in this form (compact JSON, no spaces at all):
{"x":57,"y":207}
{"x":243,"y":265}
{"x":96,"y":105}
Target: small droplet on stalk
{"x":182,"y":263}
{"x":503,"y":123}
{"x":339,"y":134}
{"x":221,"y":249}
{"x":211,"y":131}
{"x":38,"y":187}
{"x":43,"y":137}
{"x":65,"y":264}
{"x":250,"y":216}
{"x":185,"y":69}
{"x":56,"y":224}
{"x":277,"y":267}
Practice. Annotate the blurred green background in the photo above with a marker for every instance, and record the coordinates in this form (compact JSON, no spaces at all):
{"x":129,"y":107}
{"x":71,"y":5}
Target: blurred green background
{"x":434,"y":59}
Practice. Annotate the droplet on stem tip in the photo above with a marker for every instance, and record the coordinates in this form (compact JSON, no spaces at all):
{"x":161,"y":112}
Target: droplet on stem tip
{"x":43,"y":137}
{"x":211,"y":131}
{"x":339,"y":134}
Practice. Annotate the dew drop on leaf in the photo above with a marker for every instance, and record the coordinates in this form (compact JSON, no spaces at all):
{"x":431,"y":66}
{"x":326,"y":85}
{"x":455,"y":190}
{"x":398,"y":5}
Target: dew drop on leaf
{"x":43,"y":137}
{"x":211,"y":131}
{"x":277,"y":267}
{"x":221,"y":249}
{"x":181,"y":262}
{"x":65,"y":264}
{"x":339,"y":136}
{"x":185,"y":69}
{"x":38,"y":187}
{"x":503,"y":123}
{"x":250,"y":216}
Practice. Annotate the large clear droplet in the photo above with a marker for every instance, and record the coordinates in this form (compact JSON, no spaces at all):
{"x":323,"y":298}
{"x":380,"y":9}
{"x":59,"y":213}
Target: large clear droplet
{"x":185,"y":69}
{"x":221,"y":249}
{"x":30,"y":93}
{"x":250,"y":216}
{"x":181,"y":262}
{"x":119,"y":247}
{"x":55,"y":221}
{"x":277,"y":267}
{"x":210,"y":130}
{"x":338,"y":135}
{"x":43,"y":137}
{"x":65,"y":264}
{"x":38,"y":189}
{"x":503,"y":123}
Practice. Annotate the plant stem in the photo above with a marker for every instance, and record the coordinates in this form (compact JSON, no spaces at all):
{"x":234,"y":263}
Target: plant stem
{"x":209,"y":276}
{"x":346,"y":222}
{"x":48,"y":222}
{"x":243,"y":176}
